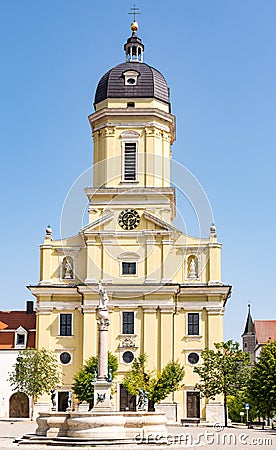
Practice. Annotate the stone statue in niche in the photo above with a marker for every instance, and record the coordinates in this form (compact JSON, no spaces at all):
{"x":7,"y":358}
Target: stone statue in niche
{"x":192,"y":269}
{"x":68,"y":270}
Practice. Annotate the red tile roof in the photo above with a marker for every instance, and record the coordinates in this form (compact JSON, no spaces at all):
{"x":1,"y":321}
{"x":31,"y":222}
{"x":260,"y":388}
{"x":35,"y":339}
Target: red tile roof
{"x":11,"y":321}
{"x":265,"y":330}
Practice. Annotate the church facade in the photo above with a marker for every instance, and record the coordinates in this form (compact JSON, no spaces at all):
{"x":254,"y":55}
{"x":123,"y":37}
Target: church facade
{"x":166,"y":297}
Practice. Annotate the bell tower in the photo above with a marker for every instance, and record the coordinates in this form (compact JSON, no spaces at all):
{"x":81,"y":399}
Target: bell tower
{"x":133,"y":129}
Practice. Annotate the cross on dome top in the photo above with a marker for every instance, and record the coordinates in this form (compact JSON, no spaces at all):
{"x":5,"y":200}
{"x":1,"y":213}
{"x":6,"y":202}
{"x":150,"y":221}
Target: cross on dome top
{"x":134,"y":47}
{"x":134,"y":11}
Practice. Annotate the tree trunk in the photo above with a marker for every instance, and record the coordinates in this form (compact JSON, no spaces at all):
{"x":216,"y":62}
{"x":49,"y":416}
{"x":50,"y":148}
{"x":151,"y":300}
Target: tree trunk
{"x":151,"y":406}
{"x":225,"y":410}
{"x":32,"y":407}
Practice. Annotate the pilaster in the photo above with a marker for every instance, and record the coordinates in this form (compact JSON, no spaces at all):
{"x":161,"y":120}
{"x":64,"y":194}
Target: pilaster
{"x":167,"y":274}
{"x":94,"y":261}
{"x":150,"y":336}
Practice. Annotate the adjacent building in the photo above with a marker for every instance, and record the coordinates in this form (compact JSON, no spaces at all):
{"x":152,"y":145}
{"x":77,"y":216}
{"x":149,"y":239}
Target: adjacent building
{"x":17,"y":332}
{"x":166,"y":295}
{"x":256,"y":334}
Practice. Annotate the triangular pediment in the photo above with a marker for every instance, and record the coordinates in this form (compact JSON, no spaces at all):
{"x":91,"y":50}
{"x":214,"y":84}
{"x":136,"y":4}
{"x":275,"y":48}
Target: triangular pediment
{"x":21,"y":330}
{"x":98,"y":223}
{"x":161,"y":224}
{"x":155,"y":225}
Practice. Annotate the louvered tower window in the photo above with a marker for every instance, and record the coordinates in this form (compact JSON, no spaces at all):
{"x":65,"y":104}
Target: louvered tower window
{"x":130,"y":161}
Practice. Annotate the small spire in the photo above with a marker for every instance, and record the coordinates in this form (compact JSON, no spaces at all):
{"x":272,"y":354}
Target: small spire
{"x":249,"y":326}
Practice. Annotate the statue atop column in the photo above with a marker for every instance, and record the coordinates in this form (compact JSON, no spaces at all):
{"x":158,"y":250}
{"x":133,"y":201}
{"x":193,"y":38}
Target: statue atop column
{"x":102,"y":378}
{"x":102,"y":311}
{"x":103,"y":297}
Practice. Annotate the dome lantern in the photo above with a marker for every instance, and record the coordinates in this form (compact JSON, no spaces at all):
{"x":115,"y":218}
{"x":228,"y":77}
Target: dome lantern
{"x":134,"y":47}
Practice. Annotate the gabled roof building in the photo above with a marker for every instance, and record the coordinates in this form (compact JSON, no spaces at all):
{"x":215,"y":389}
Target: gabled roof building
{"x":17,"y":332}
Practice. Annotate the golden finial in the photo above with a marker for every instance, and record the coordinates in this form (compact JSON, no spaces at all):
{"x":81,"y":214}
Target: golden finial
{"x":134,"y":26}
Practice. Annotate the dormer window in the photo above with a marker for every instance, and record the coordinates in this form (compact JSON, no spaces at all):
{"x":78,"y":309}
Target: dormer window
{"x":131,"y":77}
{"x":20,"y":340}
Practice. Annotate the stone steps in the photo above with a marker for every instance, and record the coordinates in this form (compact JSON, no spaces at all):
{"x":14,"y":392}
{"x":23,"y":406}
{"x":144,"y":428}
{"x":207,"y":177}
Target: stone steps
{"x":32,"y":439}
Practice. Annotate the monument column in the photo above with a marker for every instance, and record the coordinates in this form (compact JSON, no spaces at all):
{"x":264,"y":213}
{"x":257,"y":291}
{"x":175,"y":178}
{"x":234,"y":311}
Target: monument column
{"x":103,"y":324}
{"x":103,"y":379}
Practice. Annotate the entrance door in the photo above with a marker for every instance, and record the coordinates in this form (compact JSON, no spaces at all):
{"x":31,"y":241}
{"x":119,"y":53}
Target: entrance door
{"x":127,"y":401}
{"x":19,"y":405}
{"x":63,"y":400}
{"x":193,"y":404}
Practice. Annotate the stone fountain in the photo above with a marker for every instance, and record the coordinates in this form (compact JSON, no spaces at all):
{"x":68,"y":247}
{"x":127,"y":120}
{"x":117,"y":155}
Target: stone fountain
{"x":102,"y":425}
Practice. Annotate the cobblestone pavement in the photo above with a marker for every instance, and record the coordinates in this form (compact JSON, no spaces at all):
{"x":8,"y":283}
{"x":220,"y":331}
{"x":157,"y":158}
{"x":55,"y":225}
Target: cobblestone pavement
{"x":233,"y":438}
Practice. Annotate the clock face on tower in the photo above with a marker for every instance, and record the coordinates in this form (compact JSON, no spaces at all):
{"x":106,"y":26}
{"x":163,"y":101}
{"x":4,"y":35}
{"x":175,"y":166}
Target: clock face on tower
{"x":129,"y":219}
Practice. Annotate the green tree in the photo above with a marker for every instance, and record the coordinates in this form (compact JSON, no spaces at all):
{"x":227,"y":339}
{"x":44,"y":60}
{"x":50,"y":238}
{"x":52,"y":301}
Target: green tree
{"x":158,"y":385}
{"x":223,"y":371}
{"x":262,"y":381}
{"x":35,"y":373}
{"x":236,"y":405}
{"x":83,"y":387}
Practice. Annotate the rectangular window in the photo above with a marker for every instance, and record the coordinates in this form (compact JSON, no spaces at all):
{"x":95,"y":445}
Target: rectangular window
{"x":130,"y":161}
{"x":128,"y":322}
{"x":193,"y":324}
{"x":129,"y":268}
{"x":20,"y":339}
{"x":65,"y":325}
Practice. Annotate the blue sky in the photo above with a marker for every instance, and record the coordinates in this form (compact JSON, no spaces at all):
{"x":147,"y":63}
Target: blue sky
{"x":219,"y":60}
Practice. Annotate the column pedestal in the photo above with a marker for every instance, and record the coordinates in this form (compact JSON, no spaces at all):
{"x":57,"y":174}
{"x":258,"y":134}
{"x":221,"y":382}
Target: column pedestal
{"x":102,"y":396}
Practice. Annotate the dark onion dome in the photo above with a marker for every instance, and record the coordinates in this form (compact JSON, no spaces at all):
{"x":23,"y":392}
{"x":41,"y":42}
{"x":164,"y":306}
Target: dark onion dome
{"x":150,"y":83}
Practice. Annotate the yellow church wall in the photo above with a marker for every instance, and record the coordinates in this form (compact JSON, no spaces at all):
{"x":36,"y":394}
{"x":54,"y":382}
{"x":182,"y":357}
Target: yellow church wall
{"x":153,"y":154}
{"x":43,"y":336}
{"x":215,"y":328}
{"x":215,"y":263}
{"x":81,"y":265}
{"x":94,"y":262}
{"x":89,"y":337}
{"x":166,"y":335}
{"x":149,"y":344}
{"x":165,"y":261}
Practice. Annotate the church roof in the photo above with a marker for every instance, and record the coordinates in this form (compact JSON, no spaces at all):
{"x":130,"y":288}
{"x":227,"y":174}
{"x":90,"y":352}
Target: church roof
{"x":150,"y":83}
{"x":265,"y":330}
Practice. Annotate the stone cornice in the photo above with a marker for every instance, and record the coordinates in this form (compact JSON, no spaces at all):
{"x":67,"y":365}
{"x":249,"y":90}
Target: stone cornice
{"x":50,"y":289}
{"x":106,"y":118}
{"x":130,"y":190}
{"x":214,"y":290}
